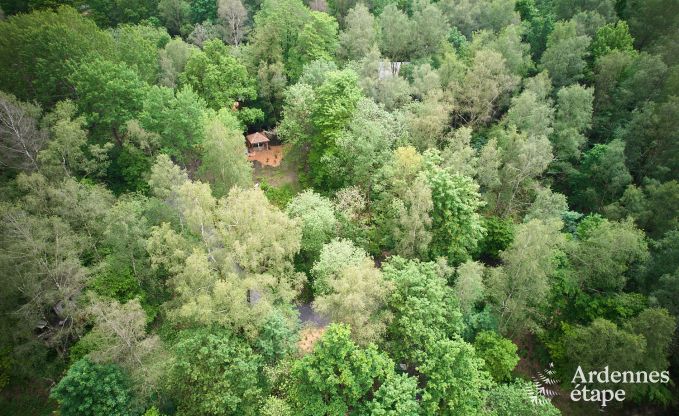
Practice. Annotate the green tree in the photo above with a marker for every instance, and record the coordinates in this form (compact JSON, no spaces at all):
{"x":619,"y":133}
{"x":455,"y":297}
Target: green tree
{"x":599,"y":344}
{"x":137,"y":46}
{"x":357,"y":296}
{"x":612,"y":37}
{"x":573,"y":119}
{"x":218,"y":77}
{"x":430,"y":29}
{"x":174,"y":14}
{"x":178,"y":117}
{"x":413,"y":233}
{"x":39,"y":50}
{"x":20,"y":135}
{"x":359,"y":35}
{"x":173,"y":58}
{"x":317,"y":217}
{"x":395,"y":34}
{"x":111,"y":13}
{"x":531,"y":114}
{"x":521,"y":286}
{"x":121,"y":331}
{"x":333,"y":258}
{"x":485,"y":83}
{"x":565,"y":9}
{"x":456,"y":224}
{"x":68,"y":153}
{"x":424,"y":309}
{"x":605,"y":252}
{"x":266,"y":245}
{"x":509,"y":167}
{"x":566,"y":53}
{"x":469,"y":287}
{"x":512,"y":400}
{"x":603,"y":176}
{"x":110,"y":94}
{"x":316,"y":41}
{"x":223,"y":162}
{"x":334,"y":105}
{"x":338,"y":376}
{"x":455,"y":379}
{"x":470,"y":16}
{"x":365,"y":144}
{"x":650,"y":141}
{"x":397,"y":396}
{"x":203,"y":358}
{"x":93,"y":389}
{"x":499,"y":355}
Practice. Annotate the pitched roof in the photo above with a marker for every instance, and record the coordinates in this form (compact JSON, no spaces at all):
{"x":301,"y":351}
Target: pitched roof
{"x":256,"y":138}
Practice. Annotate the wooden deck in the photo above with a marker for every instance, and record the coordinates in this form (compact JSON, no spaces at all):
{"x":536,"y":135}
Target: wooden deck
{"x":267,"y":157}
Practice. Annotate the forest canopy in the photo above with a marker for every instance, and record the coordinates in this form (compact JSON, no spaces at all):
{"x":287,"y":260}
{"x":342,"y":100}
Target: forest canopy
{"x":337,"y":207}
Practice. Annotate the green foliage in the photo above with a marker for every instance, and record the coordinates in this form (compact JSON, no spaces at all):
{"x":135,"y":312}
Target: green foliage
{"x":499,"y":355}
{"x":93,"y":389}
{"x":397,"y":396}
{"x":455,"y":381}
{"x":223,"y":161}
{"x":218,"y":77}
{"x":565,"y":55}
{"x":357,"y":296}
{"x":279,"y":196}
{"x":203,"y":358}
{"x":277,"y":339}
{"x":110,"y":94}
{"x":513,"y":400}
{"x":612,"y":37}
{"x":39,"y":50}
{"x":519,"y":289}
{"x":606,"y":252}
{"x":424,"y":309}
{"x":178,"y":118}
{"x":334,"y":105}
{"x":499,"y":235}
{"x":111,"y":13}
{"x":603,"y":175}
{"x":174,"y":14}
{"x":456,"y":224}
{"x":337,"y":376}
{"x":317,"y":217}
{"x":137,"y":46}
{"x":333,"y":258}
{"x":316,"y":41}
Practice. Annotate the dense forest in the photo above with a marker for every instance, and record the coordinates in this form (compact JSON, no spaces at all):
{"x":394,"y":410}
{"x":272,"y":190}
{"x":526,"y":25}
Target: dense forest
{"x":471,"y":202}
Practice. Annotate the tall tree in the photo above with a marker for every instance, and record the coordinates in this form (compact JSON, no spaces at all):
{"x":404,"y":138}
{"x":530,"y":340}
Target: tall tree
{"x":39,"y":50}
{"x":20,"y":136}
{"x":338,"y":376}
{"x":359,"y":35}
{"x":235,"y":18}
{"x":218,"y":77}
{"x":202,"y":358}
{"x":357,"y":297}
{"x":223,"y":162}
{"x":456,"y":224}
{"x":566,"y":53}
{"x":92,"y":389}
{"x":521,"y":286}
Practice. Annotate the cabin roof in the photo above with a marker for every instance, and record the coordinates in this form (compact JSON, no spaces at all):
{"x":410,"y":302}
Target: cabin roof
{"x":257,"y":138}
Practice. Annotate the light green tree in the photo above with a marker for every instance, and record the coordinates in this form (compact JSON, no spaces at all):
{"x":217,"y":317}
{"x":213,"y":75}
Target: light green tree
{"x":521,"y":286}
{"x":359,"y":35}
{"x":223,"y":161}
{"x":565,"y":55}
{"x":357,"y":296}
